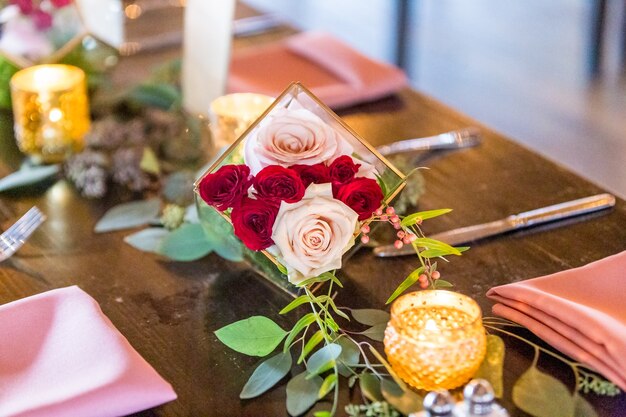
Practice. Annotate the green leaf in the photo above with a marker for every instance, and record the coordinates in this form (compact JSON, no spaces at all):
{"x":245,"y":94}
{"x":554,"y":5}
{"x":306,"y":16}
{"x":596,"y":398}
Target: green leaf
{"x":428,"y":243}
{"x":330,"y":322}
{"x":187,"y":243}
{"x":326,"y":276}
{"x":329,"y":383}
{"x":408,"y":281}
{"x":28,"y":175}
{"x":412,"y":219}
{"x":376,"y":332}
{"x":322,"y":414}
{"x":295,"y":303}
{"x":349,"y":357}
{"x":542,"y":395}
{"x":441,"y":283}
{"x":129,"y":215}
{"x":315,"y":340}
{"x":303,"y":322}
{"x":147,"y":240}
{"x":340,"y":313}
{"x":583,"y":408}
{"x":302,"y":393}
{"x":370,"y":316}
{"x":161,"y":95}
{"x":220,"y":233}
{"x":403,"y":400}
{"x":492,"y":367}
{"x":370,"y":387}
{"x":266,"y":375}
{"x":323,"y":359}
{"x":254,"y":336}
{"x":149,"y":162}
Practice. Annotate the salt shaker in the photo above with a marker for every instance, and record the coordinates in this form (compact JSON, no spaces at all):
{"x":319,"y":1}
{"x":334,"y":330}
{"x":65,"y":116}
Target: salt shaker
{"x":479,"y":400}
{"x":439,"y":404}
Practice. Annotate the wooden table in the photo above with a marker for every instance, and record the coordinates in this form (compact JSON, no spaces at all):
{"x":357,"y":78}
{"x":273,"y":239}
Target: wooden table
{"x":169,"y":310}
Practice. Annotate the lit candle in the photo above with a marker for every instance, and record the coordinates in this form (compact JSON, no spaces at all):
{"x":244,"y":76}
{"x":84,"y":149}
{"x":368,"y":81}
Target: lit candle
{"x":232,"y":114}
{"x":51,"y":111}
{"x":206,"y":52}
{"x":435,"y":339}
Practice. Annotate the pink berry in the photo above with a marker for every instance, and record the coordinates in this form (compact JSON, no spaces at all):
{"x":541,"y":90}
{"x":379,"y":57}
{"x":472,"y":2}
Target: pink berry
{"x":435,"y":275}
{"x":398,"y":244}
{"x":390,"y":211}
{"x":384,"y":218}
{"x":423,"y":278}
{"x":397,"y":226}
{"x":365,"y":239}
{"x":419,"y":221}
{"x":424,"y":285}
{"x":406,"y":240}
{"x":412,"y":237}
{"x":400,"y":234}
{"x":379,"y":212}
{"x":365,"y":228}
{"x":395,"y":218}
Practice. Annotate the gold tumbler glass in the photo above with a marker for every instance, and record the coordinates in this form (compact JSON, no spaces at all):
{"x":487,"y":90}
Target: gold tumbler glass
{"x":435,"y":339}
{"x":51,"y":111}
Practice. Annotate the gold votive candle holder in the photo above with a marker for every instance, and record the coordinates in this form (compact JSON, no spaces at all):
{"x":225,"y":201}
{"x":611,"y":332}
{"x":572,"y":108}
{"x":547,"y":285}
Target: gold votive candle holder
{"x":435,"y":339}
{"x":232,"y":114}
{"x":50,"y":110}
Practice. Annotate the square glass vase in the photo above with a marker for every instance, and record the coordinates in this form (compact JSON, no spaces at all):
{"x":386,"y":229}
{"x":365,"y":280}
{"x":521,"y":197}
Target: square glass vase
{"x":218,"y":225}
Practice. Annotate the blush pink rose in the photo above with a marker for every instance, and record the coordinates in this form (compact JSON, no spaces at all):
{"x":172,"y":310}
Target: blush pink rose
{"x":312,"y":235}
{"x":293,"y":136}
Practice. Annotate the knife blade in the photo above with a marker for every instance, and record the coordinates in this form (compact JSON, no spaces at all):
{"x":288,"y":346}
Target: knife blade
{"x":514,"y":222}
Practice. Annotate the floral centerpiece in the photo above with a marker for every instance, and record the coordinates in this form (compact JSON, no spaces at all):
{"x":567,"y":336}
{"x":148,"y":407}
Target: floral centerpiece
{"x":84,"y":33}
{"x":298,"y":188}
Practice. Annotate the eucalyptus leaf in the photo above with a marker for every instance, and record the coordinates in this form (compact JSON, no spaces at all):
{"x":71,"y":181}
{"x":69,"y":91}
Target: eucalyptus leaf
{"x":311,"y":344}
{"x":370,"y":387}
{"x":320,"y":360}
{"x":403,"y":400}
{"x":266,"y":375}
{"x":376,"y":332}
{"x":187,"y":243}
{"x":220,"y":233}
{"x":370,"y":316}
{"x":191,"y":214}
{"x":129,"y":215}
{"x":440,"y":283}
{"x":492,"y":367}
{"x":161,"y":95}
{"x":28,"y":175}
{"x":542,"y":395}
{"x":349,"y":357}
{"x":583,"y":408}
{"x":147,"y":240}
{"x":302,"y":393}
{"x":254,"y":336}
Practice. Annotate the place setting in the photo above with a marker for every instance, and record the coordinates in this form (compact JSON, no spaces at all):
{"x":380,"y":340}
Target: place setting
{"x":141,"y":199}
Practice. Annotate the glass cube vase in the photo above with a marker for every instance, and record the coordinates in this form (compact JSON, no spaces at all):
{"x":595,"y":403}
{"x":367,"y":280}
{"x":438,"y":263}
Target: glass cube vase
{"x":296,"y":96}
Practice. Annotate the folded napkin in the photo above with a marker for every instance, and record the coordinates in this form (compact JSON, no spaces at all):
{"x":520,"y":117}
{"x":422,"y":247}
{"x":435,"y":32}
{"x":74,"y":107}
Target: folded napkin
{"x":581,"y":312}
{"x":61,"y":356}
{"x":337,"y":74}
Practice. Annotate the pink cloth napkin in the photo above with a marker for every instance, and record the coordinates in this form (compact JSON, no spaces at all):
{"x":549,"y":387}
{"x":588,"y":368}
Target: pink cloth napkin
{"x":61,"y":356}
{"x":337,"y":74}
{"x":581,"y":312}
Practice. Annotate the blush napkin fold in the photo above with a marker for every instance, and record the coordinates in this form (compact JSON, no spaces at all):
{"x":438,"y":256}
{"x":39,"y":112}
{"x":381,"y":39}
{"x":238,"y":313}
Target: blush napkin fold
{"x":581,"y":312}
{"x":337,"y":74}
{"x":61,"y":356}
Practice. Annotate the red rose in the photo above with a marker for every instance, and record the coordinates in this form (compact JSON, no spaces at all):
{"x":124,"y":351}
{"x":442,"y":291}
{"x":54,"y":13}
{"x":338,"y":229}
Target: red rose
{"x":343,"y":170}
{"x":312,"y":174}
{"x":362,"y":195}
{"x":253,"y":221}
{"x":276,"y":182}
{"x":61,"y":3}
{"x":26,"y":6}
{"x":225,"y":187}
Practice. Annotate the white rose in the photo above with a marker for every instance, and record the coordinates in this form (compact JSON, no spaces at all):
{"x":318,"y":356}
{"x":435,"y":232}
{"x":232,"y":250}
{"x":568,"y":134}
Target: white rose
{"x":312,"y":235}
{"x":293,"y":136}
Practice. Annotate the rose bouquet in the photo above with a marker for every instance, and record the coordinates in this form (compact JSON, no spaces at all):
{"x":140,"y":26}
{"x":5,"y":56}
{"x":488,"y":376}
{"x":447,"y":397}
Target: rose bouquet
{"x":298,"y":188}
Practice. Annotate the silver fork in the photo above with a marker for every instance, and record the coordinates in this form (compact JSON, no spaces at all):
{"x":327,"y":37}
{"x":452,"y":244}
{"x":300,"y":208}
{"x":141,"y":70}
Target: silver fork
{"x":15,"y":236}
{"x":455,"y":139}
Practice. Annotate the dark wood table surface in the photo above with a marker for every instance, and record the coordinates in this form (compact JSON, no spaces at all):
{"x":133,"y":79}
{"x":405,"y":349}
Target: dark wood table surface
{"x":169,"y":310}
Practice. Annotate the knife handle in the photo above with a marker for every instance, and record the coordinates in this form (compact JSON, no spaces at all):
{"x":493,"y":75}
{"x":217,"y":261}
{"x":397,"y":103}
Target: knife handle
{"x":562,"y":210}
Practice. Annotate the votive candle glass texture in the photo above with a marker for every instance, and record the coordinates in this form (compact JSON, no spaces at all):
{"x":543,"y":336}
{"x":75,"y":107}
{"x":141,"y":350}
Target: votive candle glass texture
{"x":51,"y":111}
{"x":435,"y":339}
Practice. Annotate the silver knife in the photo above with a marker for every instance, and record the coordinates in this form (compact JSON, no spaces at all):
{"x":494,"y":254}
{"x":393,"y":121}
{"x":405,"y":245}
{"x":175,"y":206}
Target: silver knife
{"x":455,"y":139}
{"x":513,"y":222}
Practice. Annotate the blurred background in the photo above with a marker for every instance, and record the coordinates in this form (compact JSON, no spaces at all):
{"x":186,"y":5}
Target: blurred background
{"x":549,"y":74}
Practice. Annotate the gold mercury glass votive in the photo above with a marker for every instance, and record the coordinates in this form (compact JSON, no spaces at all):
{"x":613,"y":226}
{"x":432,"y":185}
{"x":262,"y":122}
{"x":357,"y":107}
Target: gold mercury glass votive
{"x":232,"y":114}
{"x":435,"y":339}
{"x":51,"y":111}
